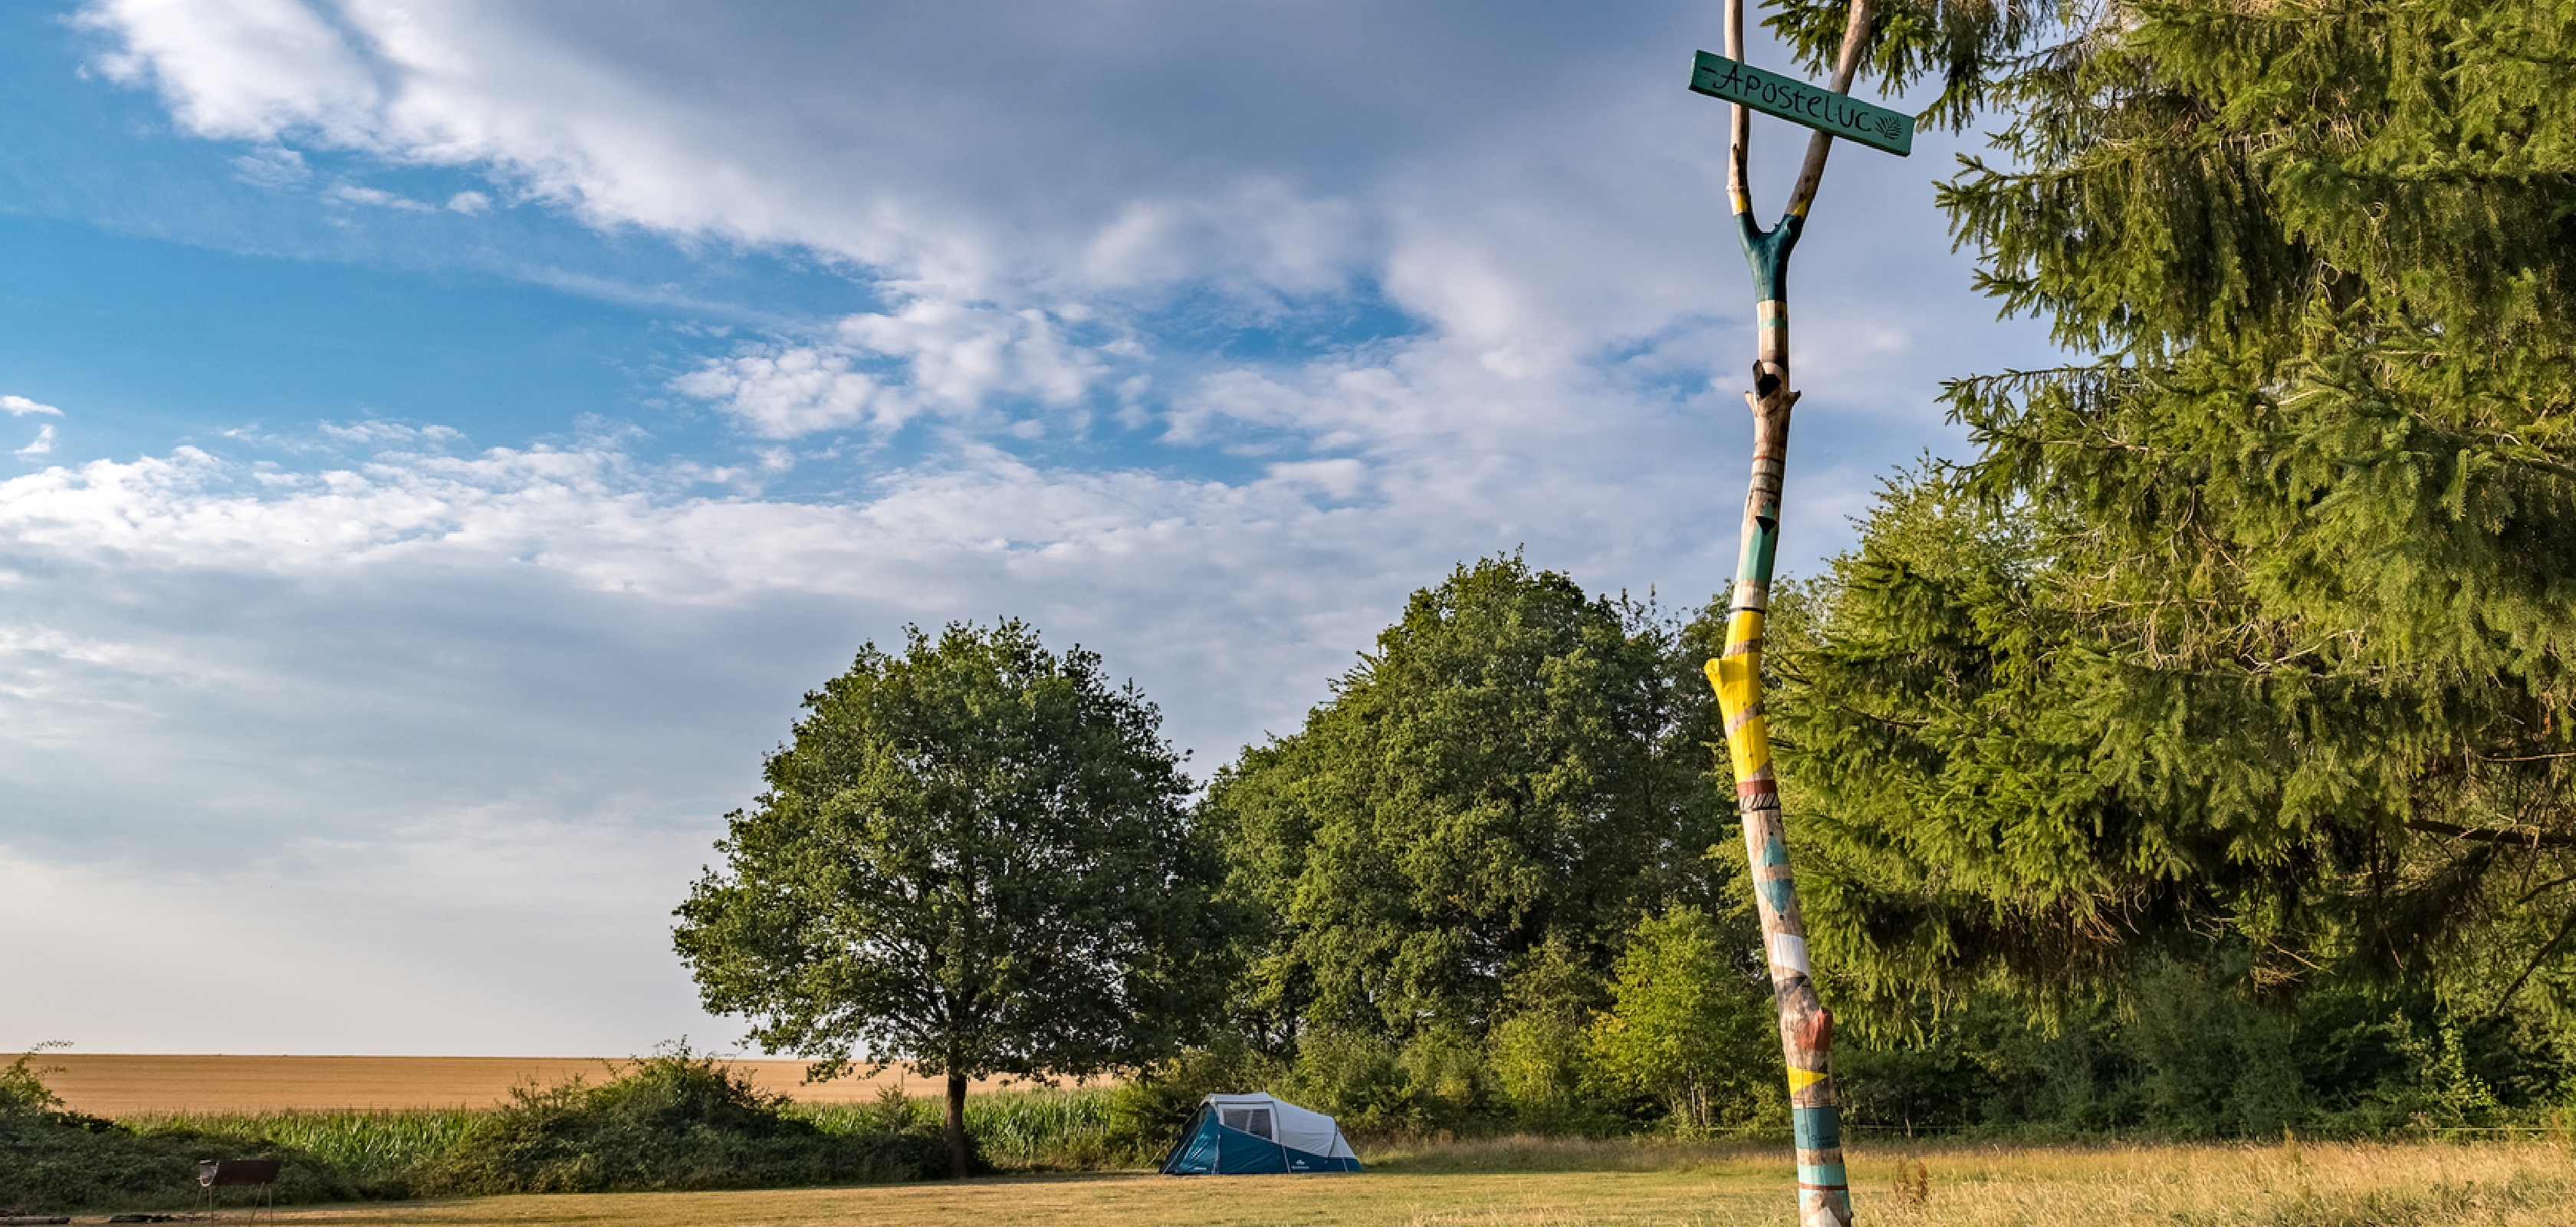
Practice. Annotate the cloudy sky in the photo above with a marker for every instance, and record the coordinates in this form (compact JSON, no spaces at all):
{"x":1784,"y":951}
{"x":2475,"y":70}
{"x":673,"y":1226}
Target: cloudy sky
{"x":446,"y":437}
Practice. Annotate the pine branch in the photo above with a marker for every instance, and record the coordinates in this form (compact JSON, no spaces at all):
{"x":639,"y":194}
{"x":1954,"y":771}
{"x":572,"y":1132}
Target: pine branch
{"x":2544,"y":888}
{"x":2536,"y":961}
{"x":2489,"y":835}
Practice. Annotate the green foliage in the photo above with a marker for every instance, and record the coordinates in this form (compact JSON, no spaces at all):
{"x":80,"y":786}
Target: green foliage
{"x":1444,"y":1067}
{"x":53,"y":1161}
{"x":1047,"y":1129}
{"x":23,"y":1092}
{"x":1358,"y":1078}
{"x":376,"y":1150}
{"x":974,"y":856}
{"x":1970,"y":46}
{"x":1517,"y":765}
{"x":674,"y":1120}
{"x":1540,"y":1063}
{"x":1036,"y":1130}
{"x":2212,"y":1066}
{"x":2255,"y":631}
{"x":1690,"y":1026}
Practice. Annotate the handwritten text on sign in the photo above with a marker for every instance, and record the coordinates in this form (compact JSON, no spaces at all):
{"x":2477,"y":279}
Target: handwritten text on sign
{"x":1802,"y":103}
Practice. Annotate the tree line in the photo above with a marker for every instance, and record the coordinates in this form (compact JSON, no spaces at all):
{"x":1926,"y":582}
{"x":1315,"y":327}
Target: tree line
{"x":2194,"y":754}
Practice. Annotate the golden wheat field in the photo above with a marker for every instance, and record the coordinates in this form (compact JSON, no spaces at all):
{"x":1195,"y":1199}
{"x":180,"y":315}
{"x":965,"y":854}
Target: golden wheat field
{"x":1576,"y":1184}
{"x":112,"y":1085}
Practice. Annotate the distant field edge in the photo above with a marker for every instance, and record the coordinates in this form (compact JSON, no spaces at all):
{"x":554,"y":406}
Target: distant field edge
{"x":143,"y":1084}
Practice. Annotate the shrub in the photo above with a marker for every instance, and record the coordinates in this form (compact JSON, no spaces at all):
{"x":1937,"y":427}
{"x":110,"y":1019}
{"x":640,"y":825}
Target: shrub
{"x":673,"y":1121}
{"x":1444,"y":1068}
{"x":1539,"y":1065}
{"x":1687,"y":1027}
{"x":1357,"y":1078}
{"x":54,"y":1161}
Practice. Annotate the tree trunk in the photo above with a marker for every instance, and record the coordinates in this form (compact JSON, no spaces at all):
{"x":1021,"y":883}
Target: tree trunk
{"x":1806,"y":1028}
{"x":957,"y":1165}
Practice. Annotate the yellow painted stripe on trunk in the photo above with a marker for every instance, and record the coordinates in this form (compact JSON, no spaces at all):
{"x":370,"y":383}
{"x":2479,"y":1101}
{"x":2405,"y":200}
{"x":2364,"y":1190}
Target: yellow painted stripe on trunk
{"x":1738,"y":679}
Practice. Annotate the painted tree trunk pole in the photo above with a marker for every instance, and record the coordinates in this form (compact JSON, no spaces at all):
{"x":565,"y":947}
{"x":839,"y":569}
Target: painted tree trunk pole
{"x":1806,"y":1027}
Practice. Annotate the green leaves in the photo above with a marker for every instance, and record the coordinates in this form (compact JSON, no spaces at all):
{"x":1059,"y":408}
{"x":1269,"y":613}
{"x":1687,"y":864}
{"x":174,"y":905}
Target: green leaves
{"x":974,"y":856}
{"x":1517,"y":764}
{"x":1688,"y":1024}
{"x":2255,"y":628}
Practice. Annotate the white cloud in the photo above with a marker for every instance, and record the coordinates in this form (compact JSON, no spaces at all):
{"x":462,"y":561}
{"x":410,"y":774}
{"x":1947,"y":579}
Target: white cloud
{"x":252,"y":69}
{"x":1267,"y":234}
{"x":1536,"y":189}
{"x":43,"y":443}
{"x":19,"y":406}
{"x":919,"y":144}
{"x":469,"y":203}
{"x":359,"y":194}
{"x":943,"y":357}
{"x":271,"y":166}
{"x":781,"y":392}
{"x":959,"y":354}
{"x":378,"y":432}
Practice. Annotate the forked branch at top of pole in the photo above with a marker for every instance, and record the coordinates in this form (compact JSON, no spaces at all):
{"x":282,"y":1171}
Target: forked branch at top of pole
{"x":1768,"y":251}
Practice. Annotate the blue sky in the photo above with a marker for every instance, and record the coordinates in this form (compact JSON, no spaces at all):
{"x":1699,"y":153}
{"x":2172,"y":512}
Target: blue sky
{"x":446,"y":438}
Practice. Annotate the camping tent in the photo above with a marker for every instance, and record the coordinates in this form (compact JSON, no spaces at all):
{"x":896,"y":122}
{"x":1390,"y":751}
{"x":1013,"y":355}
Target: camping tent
{"x":1242,"y":1135}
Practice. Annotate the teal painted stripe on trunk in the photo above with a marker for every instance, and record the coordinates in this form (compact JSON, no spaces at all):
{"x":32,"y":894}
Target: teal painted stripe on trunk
{"x":1754,"y":564}
{"x":1817,"y":1128}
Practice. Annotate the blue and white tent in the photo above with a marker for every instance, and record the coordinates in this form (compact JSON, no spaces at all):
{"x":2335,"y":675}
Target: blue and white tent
{"x":1245,"y":1135}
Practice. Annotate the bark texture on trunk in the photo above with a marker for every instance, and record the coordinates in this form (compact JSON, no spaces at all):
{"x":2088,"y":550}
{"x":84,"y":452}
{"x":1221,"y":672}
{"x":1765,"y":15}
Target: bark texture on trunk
{"x":1806,"y":1027}
{"x":957,"y":1165}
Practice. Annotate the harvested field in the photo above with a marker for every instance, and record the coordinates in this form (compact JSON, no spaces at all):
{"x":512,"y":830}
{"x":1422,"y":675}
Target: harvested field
{"x":130,"y":1085}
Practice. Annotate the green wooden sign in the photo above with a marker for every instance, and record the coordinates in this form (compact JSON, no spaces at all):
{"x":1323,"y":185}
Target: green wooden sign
{"x":1801,"y":103}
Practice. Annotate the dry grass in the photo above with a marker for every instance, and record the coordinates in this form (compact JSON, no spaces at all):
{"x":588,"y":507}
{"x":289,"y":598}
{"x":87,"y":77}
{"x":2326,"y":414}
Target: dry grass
{"x":111,"y":1085}
{"x":1443,"y":1157}
{"x":1629,"y":1183}
{"x":2296,"y":1185}
{"x":1146,"y":1201}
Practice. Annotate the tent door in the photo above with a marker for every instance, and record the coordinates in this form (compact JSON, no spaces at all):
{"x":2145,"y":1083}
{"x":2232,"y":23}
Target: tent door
{"x":1188,"y":1132}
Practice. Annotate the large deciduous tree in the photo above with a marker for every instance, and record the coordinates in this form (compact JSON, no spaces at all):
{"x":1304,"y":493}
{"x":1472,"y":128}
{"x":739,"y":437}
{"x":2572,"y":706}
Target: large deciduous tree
{"x":2259,"y":622}
{"x":975,"y":856}
{"x":1517,"y":767}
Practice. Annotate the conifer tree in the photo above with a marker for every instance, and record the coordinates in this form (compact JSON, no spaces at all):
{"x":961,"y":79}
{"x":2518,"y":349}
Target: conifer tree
{"x":2258,"y":622}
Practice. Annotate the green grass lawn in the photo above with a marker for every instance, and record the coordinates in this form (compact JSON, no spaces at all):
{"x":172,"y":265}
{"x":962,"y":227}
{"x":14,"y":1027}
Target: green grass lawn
{"x":1515,"y":1183}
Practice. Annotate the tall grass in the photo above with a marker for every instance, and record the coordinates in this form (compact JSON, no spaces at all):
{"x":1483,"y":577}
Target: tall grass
{"x":1030,"y":1129}
{"x":1040,"y":1130}
{"x":375,"y":1148}
{"x":2365,"y":1184}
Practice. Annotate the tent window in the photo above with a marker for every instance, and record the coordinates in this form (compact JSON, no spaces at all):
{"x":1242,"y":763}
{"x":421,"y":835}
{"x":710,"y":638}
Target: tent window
{"x":1255,"y":1121}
